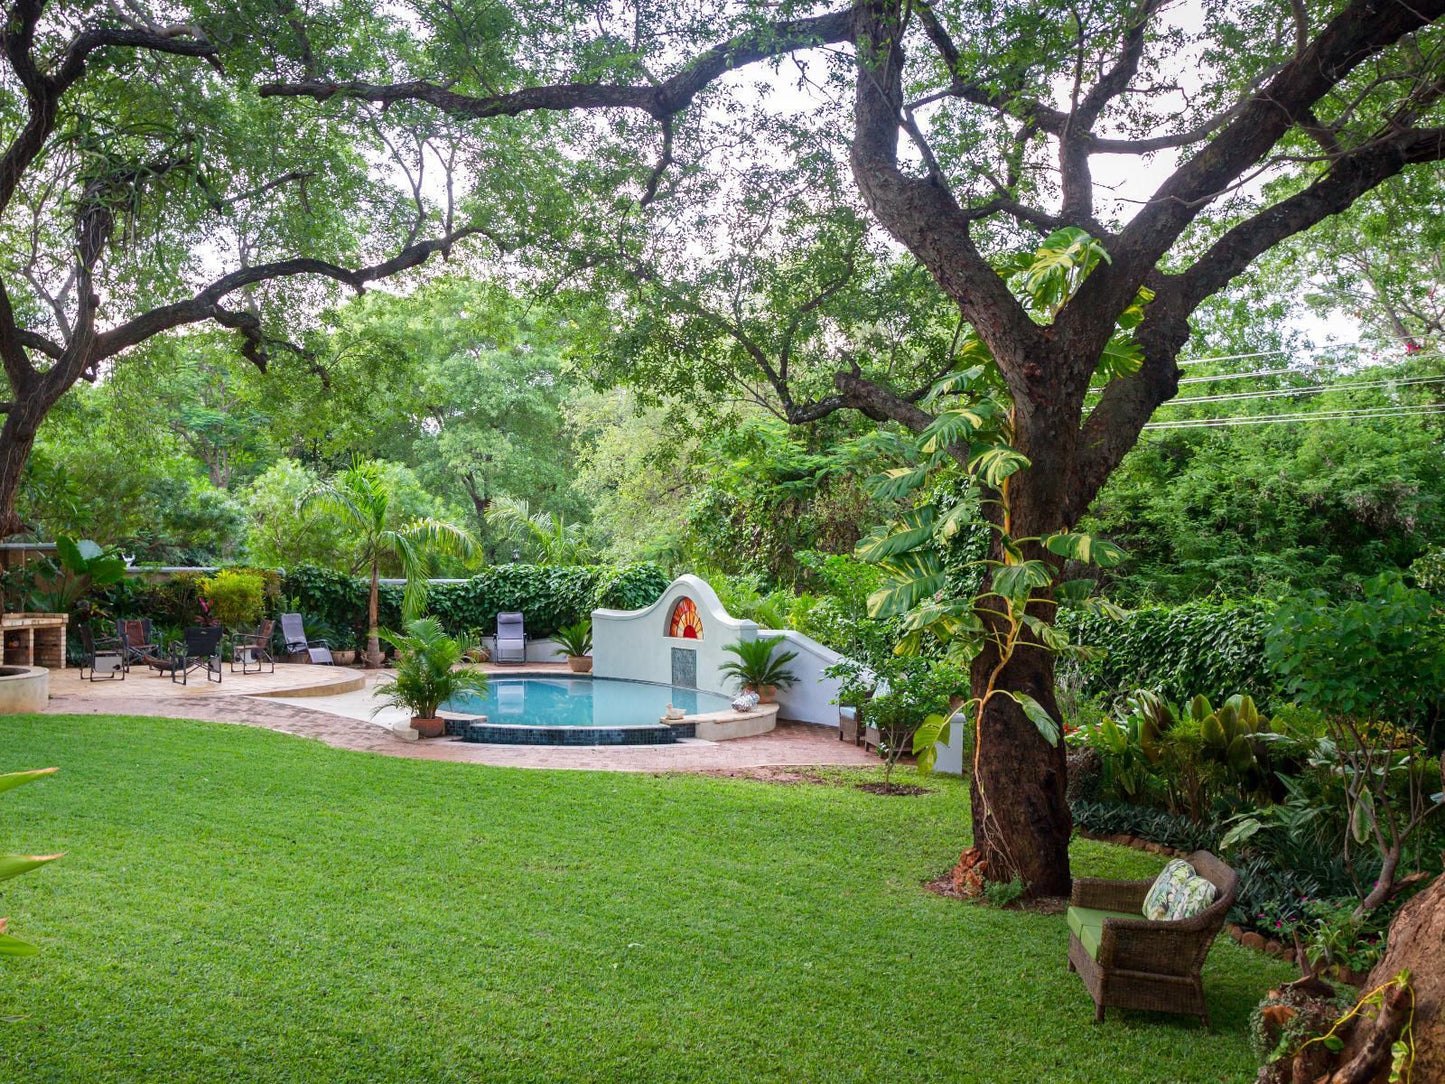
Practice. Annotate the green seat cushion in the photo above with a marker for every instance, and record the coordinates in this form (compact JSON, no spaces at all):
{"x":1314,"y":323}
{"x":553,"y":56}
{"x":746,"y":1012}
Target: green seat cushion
{"x":1087,"y":924}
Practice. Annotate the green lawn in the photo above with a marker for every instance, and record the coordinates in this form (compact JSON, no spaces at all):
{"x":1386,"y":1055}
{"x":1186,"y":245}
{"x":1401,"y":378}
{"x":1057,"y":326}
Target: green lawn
{"x":236,"y":904}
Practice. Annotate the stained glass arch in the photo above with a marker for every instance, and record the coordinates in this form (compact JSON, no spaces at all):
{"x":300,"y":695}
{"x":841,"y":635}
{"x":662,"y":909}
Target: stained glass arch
{"x":685,"y":622}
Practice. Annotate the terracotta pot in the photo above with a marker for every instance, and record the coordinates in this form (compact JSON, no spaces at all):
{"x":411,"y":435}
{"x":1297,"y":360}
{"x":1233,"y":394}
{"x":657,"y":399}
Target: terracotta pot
{"x":579,"y":664}
{"x":433,"y":727}
{"x":768,"y":694}
{"x":343,"y":658}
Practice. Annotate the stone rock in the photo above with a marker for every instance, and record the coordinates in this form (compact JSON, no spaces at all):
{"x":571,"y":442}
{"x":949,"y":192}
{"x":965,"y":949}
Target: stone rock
{"x":1236,"y":932}
{"x":1252,"y":940}
{"x":1273,"y":948}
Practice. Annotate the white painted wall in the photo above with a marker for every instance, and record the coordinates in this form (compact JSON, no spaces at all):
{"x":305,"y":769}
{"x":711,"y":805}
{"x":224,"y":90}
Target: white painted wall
{"x":950,"y":756}
{"x":814,"y":699}
{"x":543,"y":650}
{"x":634,"y":643}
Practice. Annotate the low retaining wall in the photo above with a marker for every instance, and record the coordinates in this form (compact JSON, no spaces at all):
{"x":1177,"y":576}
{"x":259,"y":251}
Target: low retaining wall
{"x":23,"y":689}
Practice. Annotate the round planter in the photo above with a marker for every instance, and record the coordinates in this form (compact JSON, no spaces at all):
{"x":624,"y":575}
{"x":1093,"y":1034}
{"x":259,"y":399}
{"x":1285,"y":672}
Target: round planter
{"x":434,"y":727}
{"x":768,"y":694}
{"x":344,"y":658}
{"x":23,"y":689}
{"x":579,"y":664}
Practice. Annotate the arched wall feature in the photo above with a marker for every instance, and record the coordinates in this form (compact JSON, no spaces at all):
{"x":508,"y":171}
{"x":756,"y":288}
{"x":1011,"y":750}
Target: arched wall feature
{"x":637,"y":644}
{"x":686,"y":622}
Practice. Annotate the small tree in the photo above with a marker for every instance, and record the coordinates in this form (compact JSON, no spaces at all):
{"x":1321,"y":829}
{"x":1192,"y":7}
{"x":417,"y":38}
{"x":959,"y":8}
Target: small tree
{"x":360,"y":498}
{"x":1376,"y":667}
{"x":237,"y":597}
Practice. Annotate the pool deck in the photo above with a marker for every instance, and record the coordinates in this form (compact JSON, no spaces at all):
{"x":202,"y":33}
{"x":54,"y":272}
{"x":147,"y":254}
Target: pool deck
{"x":334,"y":705}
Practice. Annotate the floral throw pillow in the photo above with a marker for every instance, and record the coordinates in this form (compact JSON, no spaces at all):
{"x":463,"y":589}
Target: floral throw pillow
{"x":1166,"y":887}
{"x":1193,"y":896}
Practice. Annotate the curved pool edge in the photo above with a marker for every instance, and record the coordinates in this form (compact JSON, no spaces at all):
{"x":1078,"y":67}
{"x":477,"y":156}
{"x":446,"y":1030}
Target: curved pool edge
{"x":710,"y":726}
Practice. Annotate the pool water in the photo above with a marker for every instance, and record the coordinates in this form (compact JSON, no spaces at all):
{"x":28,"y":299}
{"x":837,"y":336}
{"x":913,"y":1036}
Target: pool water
{"x":581,"y":702}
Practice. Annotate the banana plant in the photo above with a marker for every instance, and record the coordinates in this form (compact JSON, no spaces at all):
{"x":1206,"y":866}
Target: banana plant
{"x":13,"y":865}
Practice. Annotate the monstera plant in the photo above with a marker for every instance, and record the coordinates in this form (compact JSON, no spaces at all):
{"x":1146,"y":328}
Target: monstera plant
{"x":13,"y":865}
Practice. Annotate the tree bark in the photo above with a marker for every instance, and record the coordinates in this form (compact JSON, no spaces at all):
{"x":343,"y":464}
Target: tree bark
{"x":1416,"y":942}
{"x":373,"y":613}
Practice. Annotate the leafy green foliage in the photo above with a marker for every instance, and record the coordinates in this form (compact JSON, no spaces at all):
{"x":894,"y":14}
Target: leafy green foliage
{"x":1349,"y":657}
{"x":13,"y":865}
{"x":427,"y":673}
{"x":237,"y":597}
{"x":759,"y":663}
{"x":1192,"y":761}
{"x":1213,"y":648}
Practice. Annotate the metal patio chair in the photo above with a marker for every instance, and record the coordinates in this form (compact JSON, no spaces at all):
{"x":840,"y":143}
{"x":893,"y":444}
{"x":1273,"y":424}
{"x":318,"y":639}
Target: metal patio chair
{"x":511,"y":639}
{"x":293,"y":632}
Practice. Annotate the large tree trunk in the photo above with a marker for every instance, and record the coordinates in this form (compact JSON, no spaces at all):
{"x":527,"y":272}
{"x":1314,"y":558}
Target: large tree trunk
{"x":1417,"y":943}
{"x":17,"y":438}
{"x":1021,"y":820}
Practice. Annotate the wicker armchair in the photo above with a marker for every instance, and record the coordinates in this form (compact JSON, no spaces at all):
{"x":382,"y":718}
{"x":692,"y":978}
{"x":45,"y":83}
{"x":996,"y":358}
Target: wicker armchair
{"x":1129,"y":962}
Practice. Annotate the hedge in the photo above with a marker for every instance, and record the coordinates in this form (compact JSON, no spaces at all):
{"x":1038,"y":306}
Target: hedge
{"x":1214,"y":648}
{"x":548,"y":596}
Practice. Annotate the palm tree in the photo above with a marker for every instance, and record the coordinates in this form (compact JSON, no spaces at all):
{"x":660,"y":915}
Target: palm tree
{"x":359,"y":499}
{"x":546,"y":537}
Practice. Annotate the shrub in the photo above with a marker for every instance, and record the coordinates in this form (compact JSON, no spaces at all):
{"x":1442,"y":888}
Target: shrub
{"x":548,"y":597}
{"x":237,"y":598}
{"x":1201,"y":647}
{"x":629,"y":587}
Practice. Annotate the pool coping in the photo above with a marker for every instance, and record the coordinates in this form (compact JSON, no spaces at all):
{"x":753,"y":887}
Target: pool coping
{"x":709,"y":726}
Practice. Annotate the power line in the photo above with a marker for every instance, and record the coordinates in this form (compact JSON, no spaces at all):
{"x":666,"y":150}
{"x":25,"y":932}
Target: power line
{"x":1289,"y":393}
{"x":1315,"y":416}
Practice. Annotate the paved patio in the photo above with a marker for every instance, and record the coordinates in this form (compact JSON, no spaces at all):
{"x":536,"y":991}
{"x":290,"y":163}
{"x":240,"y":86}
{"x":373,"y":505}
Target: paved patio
{"x":333,"y":704}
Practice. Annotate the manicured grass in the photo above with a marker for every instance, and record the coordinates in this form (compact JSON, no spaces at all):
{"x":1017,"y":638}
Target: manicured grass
{"x":236,"y":904}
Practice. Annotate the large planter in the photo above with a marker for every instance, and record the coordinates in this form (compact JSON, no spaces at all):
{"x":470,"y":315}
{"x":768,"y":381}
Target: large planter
{"x":768,"y":694}
{"x":579,"y":664}
{"x":433,"y":727}
{"x":344,"y":658}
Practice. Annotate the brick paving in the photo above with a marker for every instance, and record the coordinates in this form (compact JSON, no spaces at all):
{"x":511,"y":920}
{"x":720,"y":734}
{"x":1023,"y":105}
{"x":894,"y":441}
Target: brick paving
{"x":791,"y":744}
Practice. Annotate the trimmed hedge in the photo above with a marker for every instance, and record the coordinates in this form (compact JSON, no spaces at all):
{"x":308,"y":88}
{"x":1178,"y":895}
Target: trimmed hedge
{"x":1214,"y":648}
{"x":547,"y":596}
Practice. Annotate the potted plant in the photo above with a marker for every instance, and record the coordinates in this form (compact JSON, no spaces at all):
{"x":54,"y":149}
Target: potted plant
{"x":343,"y":648}
{"x":426,"y":674}
{"x":475,"y":650}
{"x":576,"y":641}
{"x":760,"y":668}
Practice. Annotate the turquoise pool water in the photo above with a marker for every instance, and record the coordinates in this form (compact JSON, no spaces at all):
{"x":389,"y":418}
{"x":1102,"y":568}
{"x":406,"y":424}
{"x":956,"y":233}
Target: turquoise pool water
{"x":587,"y":702}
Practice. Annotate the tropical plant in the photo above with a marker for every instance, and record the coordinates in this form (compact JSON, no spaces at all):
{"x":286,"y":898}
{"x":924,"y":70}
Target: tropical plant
{"x":360,"y":498}
{"x":237,"y":597}
{"x":13,"y":865}
{"x":545,"y":537}
{"x":760,"y":664}
{"x":576,"y":640}
{"x":427,"y":675}
{"x":81,"y":566}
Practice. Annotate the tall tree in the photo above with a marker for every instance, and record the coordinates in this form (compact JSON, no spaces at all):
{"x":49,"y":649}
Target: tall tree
{"x":965,"y":127}
{"x":144,"y":188}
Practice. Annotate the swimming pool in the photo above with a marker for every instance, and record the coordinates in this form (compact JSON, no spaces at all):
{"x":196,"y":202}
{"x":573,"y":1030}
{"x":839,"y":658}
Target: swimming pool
{"x":537,"y":710}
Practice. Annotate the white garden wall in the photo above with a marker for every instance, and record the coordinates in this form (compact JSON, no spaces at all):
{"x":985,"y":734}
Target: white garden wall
{"x":635,"y":644}
{"x":814,"y":698}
